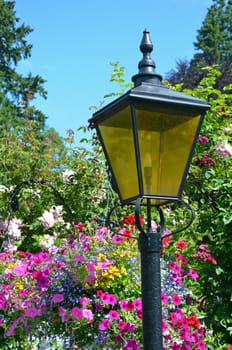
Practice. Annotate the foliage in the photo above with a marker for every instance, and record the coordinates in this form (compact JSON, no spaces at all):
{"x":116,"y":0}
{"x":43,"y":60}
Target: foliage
{"x":209,"y":189}
{"x":214,"y":47}
{"x":16,"y":91}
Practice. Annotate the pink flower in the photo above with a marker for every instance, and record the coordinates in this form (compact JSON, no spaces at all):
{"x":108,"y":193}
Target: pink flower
{"x":76,"y":312}
{"x":87,"y":314}
{"x":109,"y":299}
{"x":114,"y":314}
{"x":164,"y":298}
{"x":104,"y":325}
{"x":137,"y":304}
{"x":32,"y":312}
{"x":131,"y":344}
{"x":84,"y":301}
{"x":123,"y":305}
{"x":117,"y":239}
{"x":57,"y":298}
{"x":79,"y":258}
{"x":203,"y":139}
{"x":164,"y":326}
{"x":175,"y":267}
{"x":176,"y":299}
{"x":193,"y":274}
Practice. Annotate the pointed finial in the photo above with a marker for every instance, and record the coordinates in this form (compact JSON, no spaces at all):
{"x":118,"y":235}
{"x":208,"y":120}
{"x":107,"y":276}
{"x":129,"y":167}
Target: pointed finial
{"x":146,"y":66}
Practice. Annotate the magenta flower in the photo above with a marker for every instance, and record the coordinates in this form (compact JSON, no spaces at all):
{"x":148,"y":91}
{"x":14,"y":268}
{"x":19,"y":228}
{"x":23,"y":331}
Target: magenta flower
{"x":137,"y":304}
{"x":57,"y":298}
{"x":117,"y":239}
{"x":176,"y":299}
{"x":109,"y":299}
{"x":104,"y":325}
{"x":131,"y":344}
{"x":79,"y":258}
{"x":32,"y":312}
{"x":175,"y":267}
{"x":164,"y":298}
{"x":193,"y":274}
{"x":203,"y":139}
{"x":76,"y":312}
{"x":164,"y":326}
{"x":205,"y":160}
{"x":123,"y":305}
{"x":114,"y":314}
{"x":43,"y":256}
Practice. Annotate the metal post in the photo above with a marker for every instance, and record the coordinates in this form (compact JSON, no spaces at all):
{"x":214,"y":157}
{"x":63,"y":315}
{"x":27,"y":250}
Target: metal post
{"x":150,"y":249}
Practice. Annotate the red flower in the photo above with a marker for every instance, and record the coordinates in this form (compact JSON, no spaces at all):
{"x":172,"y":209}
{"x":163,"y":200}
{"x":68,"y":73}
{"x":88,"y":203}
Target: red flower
{"x":166,"y":241}
{"x":193,"y":321}
{"x":130,"y":220}
{"x":181,"y":244}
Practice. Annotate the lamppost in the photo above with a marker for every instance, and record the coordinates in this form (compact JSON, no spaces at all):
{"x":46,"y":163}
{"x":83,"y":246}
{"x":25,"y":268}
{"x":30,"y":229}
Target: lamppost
{"x":148,"y":136}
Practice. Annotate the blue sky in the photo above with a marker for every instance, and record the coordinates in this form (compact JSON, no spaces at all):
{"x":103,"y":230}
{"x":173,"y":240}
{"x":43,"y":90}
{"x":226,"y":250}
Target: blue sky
{"x":73,"y":41}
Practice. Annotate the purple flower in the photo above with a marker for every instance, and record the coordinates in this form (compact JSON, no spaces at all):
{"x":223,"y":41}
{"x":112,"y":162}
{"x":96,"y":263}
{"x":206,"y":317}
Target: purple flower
{"x":57,"y":298}
{"x":76,"y":312}
{"x":32,"y":312}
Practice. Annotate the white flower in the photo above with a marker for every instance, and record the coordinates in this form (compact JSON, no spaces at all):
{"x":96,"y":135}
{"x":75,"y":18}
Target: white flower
{"x":47,"y":219}
{"x":47,"y":241}
{"x":223,"y":148}
{"x":4,"y":188}
{"x":51,"y":217}
{"x":13,"y":228}
{"x":67,"y":174}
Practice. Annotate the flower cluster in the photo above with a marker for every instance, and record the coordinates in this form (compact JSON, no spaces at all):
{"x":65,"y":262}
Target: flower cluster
{"x":203,"y":253}
{"x":87,"y":287}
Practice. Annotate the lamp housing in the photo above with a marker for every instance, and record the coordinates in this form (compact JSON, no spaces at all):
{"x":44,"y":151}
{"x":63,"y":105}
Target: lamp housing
{"x":149,"y":135}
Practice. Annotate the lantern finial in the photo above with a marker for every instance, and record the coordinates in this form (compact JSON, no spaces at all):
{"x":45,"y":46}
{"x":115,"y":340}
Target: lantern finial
{"x":146,"y":66}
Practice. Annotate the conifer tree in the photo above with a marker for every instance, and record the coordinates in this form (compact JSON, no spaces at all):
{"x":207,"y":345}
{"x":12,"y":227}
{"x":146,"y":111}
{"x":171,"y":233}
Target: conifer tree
{"x":214,"y":47}
{"x":16,"y":90}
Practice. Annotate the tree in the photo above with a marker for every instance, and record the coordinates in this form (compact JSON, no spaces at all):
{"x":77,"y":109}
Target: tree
{"x":15,"y":89}
{"x":214,"y":47}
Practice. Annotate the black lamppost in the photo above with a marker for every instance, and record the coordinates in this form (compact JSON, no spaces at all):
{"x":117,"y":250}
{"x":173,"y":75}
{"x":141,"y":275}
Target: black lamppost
{"x":148,"y":136}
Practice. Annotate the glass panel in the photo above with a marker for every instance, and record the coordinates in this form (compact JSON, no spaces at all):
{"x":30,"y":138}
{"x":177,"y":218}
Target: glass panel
{"x":165,"y":141}
{"x":117,"y":135}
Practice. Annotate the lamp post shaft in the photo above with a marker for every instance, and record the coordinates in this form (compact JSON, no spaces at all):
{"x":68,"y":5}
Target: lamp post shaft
{"x":150,"y":249}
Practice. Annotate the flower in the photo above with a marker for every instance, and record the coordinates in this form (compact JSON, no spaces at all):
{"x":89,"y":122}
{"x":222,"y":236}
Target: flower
{"x":193,"y":274}
{"x":176,"y":299}
{"x":67,"y":175}
{"x":203,"y":139}
{"x":181,"y":244}
{"x":193,"y":321}
{"x":164,"y":298}
{"x":32,"y":312}
{"x":76,"y":312}
{"x":104,"y":325}
{"x":223,"y":148}
{"x":114,"y":314}
{"x":205,"y":160}
{"x":88,"y":314}
{"x":58,"y":298}
{"x":47,"y":219}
